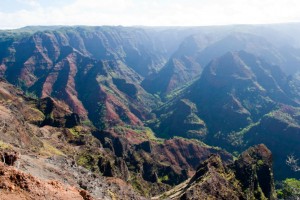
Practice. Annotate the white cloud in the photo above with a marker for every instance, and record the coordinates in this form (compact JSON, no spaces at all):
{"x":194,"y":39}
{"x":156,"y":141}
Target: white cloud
{"x":152,"y":12}
{"x":33,"y":3}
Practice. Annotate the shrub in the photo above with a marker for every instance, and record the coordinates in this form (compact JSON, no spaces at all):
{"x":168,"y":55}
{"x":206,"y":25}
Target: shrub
{"x":290,"y":189}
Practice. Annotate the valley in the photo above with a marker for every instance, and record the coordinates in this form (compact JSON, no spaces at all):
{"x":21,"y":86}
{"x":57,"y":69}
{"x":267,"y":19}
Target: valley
{"x":153,"y":112}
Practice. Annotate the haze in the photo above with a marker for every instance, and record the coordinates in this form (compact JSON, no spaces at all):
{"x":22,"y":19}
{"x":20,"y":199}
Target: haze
{"x":19,"y":13}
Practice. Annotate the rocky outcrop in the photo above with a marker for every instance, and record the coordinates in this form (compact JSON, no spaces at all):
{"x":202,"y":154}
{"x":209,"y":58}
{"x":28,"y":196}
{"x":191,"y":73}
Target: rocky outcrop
{"x":144,"y":146}
{"x":254,"y":170}
{"x":72,"y":120}
{"x":8,"y":157}
{"x":213,"y":180}
{"x":152,"y":162}
{"x":249,"y":177}
{"x":57,"y":113}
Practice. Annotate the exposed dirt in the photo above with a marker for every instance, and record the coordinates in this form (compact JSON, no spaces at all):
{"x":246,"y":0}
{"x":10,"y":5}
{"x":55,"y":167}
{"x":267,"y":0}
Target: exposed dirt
{"x":64,"y":170}
{"x":15,"y":184}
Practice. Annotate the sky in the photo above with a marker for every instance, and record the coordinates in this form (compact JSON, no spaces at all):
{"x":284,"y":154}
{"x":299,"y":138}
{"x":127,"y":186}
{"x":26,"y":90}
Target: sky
{"x":20,"y":13}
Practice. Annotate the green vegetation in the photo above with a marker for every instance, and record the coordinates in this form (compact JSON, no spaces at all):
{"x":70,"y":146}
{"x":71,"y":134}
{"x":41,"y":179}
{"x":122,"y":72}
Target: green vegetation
{"x":31,"y":95}
{"x":283,"y":116}
{"x":86,"y":161}
{"x":75,"y":131}
{"x":137,"y":184}
{"x":101,"y":112}
{"x":11,"y":35}
{"x":140,"y":131}
{"x":193,"y":119}
{"x":35,"y":115}
{"x":87,"y":123}
{"x":260,"y":162}
{"x":88,"y":158}
{"x":197,"y":142}
{"x":163,"y":179}
{"x":4,"y":145}
{"x":290,"y":189}
{"x":151,"y":136}
{"x":179,"y":91}
{"x":49,"y":150}
{"x":236,"y":138}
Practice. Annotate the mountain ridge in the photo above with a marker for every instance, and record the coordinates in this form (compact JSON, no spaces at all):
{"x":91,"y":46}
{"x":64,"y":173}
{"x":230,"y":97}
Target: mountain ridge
{"x":143,"y":104}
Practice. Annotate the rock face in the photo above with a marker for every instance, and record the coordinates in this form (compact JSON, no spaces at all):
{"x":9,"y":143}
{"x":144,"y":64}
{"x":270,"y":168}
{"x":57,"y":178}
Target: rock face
{"x":249,"y":177}
{"x":211,"y":181}
{"x":57,"y":113}
{"x":96,"y":72}
{"x":169,"y":162}
{"x":254,"y":170}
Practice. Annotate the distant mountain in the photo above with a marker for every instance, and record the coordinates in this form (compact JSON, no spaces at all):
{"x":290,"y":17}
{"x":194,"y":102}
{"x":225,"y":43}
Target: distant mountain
{"x":132,"y":46}
{"x":196,"y":51}
{"x":234,"y":90}
{"x":283,"y":56}
{"x":239,"y":88}
{"x":182,"y":66}
{"x":72,"y":64}
{"x":235,"y":93}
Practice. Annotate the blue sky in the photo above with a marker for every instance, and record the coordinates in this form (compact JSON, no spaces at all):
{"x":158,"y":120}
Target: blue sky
{"x":9,"y":6}
{"x":19,"y":13}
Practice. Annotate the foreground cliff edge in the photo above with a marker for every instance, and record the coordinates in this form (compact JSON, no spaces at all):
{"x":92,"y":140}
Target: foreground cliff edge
{"x":15,"y":184}
{"x":248,"y":177}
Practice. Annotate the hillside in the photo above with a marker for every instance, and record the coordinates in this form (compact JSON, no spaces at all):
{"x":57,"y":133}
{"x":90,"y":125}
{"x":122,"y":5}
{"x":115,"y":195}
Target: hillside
{"x":234,"y":93}
{"x":49,"y":137}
